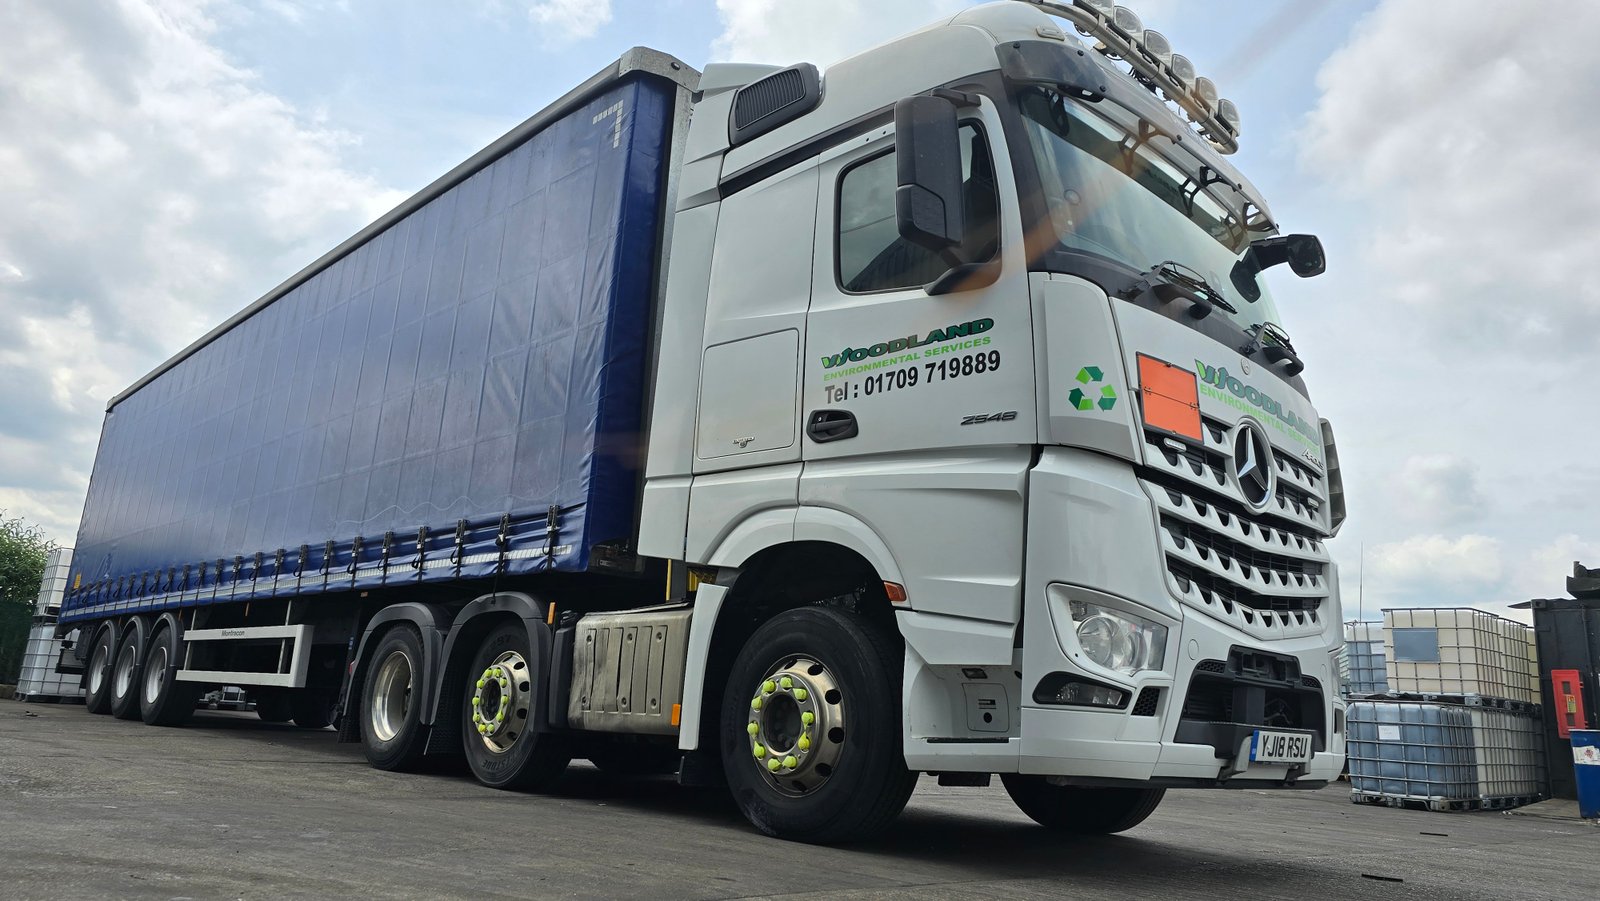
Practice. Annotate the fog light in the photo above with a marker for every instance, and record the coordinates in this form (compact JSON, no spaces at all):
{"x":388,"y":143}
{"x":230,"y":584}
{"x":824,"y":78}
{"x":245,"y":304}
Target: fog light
{"x":1070,"y":691}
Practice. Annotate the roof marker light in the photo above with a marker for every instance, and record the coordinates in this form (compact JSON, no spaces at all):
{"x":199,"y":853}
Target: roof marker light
{"x":1127,"y":22}
{"x":1182,"y":69}
{"x":1228,"y":112}
{"x":1158,"y":47}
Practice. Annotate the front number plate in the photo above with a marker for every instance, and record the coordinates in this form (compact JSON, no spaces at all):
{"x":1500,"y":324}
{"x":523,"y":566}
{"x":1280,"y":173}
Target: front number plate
{"x":1267,"y":746}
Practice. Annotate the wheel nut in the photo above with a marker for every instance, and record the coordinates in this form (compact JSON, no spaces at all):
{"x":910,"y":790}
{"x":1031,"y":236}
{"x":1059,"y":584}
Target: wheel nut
{"x":755,"y":704}
{"x":752,"y":729}
{"x":800,"y":694}
{"x":791,"y":762}
{"x":768,"y":687}
{"x":808,"y":717}
{"x":786,"y":682}
{"x":773,"y":764}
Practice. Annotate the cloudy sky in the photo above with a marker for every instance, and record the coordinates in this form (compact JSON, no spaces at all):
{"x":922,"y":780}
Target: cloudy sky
{"x":164,"y":162}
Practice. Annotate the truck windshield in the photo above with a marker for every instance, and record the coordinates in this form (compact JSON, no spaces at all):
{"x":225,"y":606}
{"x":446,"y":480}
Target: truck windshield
{"x":1135,"y":206}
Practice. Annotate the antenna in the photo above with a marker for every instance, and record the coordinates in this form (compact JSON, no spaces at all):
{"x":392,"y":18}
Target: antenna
{"x":1361,"y":584}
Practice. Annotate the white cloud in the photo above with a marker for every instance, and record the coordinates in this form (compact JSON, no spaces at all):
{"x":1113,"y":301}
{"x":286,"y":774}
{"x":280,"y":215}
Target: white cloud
{"x":152,"y":188}
{"x":1471,"y":145}
{"x":1439,"y":488}
{"x":572,"y":19}
{"x":1424,"y":563}
{"x":817,"y":31}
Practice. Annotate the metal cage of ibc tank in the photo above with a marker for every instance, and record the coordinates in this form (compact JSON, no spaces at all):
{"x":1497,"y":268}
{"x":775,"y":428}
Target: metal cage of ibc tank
{"x":1444,"y":756}
{"x":1366,"y":651}
{"x":1462,"y":652}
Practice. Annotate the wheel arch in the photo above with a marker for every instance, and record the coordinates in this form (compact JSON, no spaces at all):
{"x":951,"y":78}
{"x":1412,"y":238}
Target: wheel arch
{"x":468,"y":628}
{"x":431,"y":621}
{"x":830,"y":556}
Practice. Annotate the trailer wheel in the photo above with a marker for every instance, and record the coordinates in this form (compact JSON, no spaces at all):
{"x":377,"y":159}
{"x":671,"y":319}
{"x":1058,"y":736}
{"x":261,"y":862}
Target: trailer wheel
{"x":810,"y":728}
{"x":97,"y":690}
{"x":392,"y":733}
{"x":274,"y":707}
{"x":125,"y":670}
{"x":164,"y":701}
{"x":501,"y":746}
{"x":312,"y":709}
{"x":1083,"y":811}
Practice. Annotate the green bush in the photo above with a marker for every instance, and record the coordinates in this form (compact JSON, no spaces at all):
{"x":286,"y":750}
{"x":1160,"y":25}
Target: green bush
{"x":23,"y":549}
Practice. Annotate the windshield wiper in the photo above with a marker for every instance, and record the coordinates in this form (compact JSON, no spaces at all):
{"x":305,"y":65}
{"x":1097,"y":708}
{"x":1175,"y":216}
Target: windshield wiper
{"x":1179,"y":282}
{"x":1273,"y":342}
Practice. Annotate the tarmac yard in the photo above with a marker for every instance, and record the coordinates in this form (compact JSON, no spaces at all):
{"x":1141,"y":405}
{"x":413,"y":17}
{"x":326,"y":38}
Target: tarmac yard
{"x":230,"y":807}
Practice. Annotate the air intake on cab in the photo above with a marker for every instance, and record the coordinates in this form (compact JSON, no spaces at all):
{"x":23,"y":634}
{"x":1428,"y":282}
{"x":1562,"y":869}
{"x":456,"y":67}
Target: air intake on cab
{"x":781,"y":97}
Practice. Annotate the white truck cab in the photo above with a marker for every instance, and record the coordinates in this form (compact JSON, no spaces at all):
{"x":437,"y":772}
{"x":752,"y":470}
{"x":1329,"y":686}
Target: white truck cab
{"x":975,"y":312}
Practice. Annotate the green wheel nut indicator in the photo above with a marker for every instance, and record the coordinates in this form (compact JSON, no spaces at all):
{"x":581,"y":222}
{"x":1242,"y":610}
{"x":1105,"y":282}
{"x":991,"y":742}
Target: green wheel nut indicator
{"x":791,"y":762}
{"x":767,"y":687}
{"x":800,"y":694}
{"x":773,"y":764}
{"x":752,"y":729}
{"x":786,"y":682}
{"x":808,"y":717}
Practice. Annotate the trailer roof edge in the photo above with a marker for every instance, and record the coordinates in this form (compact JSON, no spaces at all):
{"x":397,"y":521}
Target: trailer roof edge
{"x":637,"y":59}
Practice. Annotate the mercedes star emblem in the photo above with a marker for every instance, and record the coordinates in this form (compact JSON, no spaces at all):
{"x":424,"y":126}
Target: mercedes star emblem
{"x":1252,"y":464}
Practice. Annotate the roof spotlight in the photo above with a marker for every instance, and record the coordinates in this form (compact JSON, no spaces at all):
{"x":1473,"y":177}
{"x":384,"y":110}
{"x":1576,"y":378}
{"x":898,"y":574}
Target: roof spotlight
{"x":1182,"y":69}
{"x":1103,"y":7}
{"x":1127,"y":22}
{"x":1206,"y":92}
{"x":1157,"y":45}
{"x":1228,"y":112}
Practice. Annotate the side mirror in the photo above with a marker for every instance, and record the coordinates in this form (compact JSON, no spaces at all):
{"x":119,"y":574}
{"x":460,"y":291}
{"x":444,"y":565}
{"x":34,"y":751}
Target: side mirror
{"x":928,"y":194}
{"x":1303,"y":253}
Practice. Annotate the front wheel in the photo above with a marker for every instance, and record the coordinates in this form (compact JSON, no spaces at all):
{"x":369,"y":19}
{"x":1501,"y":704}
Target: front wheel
{"x":1083,"y":811}
{"x":810,"y":728}
{"x":502,"y":746}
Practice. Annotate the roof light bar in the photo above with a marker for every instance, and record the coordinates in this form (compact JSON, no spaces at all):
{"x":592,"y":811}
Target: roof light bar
{"x":1122,"y":35}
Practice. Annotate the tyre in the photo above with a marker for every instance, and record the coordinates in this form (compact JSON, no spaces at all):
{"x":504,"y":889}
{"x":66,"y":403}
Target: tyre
{"x":390,"y":707}
{"x":126,"y":667}
{"x":636,"y":759}
{"x":498,"y":695}
{"x":312,"y":708}
{"x":97,"y":686}
{"x":1083,"y":811}
{"x":810,"y":728}
{"x":274,"y":707}
{"x":163,"y":700}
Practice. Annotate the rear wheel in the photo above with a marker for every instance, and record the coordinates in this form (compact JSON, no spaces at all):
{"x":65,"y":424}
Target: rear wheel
{"x":274,"y":707}
{"x":1084,"y":811}
{"x":97,"y":688}
{"x":810,"y":728}
{"x":502,"y":747}
{"x":125,"y":670}
{"x":163,"y":700}
{"x":312,"y":708}
{"x":392,"y":734}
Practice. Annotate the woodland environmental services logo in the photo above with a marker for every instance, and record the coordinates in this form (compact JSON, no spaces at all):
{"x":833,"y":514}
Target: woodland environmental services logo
{"x":896,"y":345}
{"x":1220,"y":381}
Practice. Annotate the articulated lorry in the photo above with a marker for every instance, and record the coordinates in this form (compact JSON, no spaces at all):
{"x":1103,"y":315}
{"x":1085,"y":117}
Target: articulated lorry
{"x":799,"y":432}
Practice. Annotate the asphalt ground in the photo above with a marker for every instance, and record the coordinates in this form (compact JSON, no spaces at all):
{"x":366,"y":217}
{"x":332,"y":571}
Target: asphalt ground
{"x":230,"y":807}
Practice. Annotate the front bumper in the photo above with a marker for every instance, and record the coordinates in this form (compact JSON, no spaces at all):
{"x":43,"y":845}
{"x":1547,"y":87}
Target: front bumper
{"x":1093,"y":534}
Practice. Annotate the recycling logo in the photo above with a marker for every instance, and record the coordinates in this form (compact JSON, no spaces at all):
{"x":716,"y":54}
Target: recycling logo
{"x":1083,"y":399}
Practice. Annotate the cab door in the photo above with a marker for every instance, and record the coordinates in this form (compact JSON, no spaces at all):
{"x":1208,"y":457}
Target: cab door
{"x":918,"y":410}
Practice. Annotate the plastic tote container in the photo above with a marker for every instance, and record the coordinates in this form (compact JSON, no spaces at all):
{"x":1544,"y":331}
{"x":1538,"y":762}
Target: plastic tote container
{"x":1586,"y":769}
{"x":1443,"y":756}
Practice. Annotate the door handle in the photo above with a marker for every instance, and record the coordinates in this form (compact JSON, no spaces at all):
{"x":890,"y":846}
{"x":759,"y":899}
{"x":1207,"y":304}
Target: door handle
{"x":831,"y":425}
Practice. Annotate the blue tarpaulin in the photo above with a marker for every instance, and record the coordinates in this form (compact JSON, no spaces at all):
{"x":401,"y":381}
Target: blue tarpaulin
{"x":415,"y":410}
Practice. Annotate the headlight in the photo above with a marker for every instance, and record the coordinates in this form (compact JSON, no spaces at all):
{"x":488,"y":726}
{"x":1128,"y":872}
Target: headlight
{"x":1119,"y":641}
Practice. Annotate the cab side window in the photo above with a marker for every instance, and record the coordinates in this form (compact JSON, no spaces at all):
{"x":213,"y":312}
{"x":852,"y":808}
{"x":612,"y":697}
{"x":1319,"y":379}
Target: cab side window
{"x":871,"y":256}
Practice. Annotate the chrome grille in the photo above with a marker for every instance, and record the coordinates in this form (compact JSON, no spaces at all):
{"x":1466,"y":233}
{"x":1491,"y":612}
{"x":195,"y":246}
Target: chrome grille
{"x":1265,"y":572}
